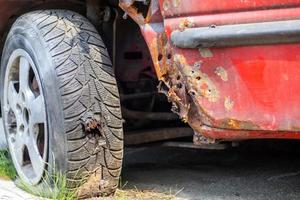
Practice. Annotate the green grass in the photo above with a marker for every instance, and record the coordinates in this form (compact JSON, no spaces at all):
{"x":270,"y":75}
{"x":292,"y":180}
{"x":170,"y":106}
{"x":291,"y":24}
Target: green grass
{"x":7,"y":170}
{"x":57,"y":182}
{"x":54,"y":187}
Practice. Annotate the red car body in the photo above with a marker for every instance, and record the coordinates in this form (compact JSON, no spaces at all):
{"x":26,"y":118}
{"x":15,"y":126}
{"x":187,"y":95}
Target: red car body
{"x":226,"y":92}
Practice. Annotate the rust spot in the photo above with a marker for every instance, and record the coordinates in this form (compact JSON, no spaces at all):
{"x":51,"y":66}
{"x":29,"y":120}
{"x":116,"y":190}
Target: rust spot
{"x":205,"y":53}
{"x":138,"y":17}
{"x":186,"y":23}
{"x":173,"y":83}
{"x":166,"y":5}
{"x":222,"y":73}
{"x":197,"y":81}
{"x":176,"y":3}
{"x":197,"y":64}
{"x":228,"y":103}
{"x":295,"y":128}
{"x":132,"y":11}
{"x":161,"y":54}
{"x":236,"y":124}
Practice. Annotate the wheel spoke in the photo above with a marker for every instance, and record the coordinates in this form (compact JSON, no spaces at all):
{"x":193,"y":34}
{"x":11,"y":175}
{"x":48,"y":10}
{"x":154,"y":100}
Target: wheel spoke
{"x":37,"y":110}
{"x":24,"y":74}
{"x":25,"y":115}
{"x":35,"y":157}
{"x":18,"y":146}
{"x":12,"y":96}
{"x":34,"y":131}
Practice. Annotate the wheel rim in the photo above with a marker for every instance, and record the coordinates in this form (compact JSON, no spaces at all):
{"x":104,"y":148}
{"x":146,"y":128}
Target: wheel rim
{"x":25,"y":117}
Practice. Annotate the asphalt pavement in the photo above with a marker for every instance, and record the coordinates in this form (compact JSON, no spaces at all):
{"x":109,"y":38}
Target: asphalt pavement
{"x":253,"y":171}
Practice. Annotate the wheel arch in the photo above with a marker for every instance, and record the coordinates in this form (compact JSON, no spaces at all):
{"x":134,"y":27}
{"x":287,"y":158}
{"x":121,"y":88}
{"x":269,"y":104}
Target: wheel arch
{"x":10,"y":11}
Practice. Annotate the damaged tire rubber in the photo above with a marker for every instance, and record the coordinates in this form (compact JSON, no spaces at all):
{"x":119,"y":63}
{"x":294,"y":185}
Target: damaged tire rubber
{"x":70,"y":75}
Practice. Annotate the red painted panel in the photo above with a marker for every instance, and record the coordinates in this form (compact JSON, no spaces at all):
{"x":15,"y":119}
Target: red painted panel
{"x":262,"y":85}
{"x":172,"y":8}
{"x":233,"y":18}
{"x":231,"y":135}
{"x":239,"y":92}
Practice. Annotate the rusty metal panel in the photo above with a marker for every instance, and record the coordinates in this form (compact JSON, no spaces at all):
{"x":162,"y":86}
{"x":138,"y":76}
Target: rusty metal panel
{"x":238,"y":92}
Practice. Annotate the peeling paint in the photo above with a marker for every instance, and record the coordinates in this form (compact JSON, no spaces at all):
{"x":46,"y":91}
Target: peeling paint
{"x":176,"y":3}
{"x":233,"y":124}
{"x":206,"y":53}
{"x":166,"y":5}
{"x":207,"y":88}
{"x":131,"y":10}
{"x":228,"y":103}
{"x":197,"y":64}
{"x":222,"y":73}
{"x":238,"y":125}
{"x":199,"y":83}
{"x":186,"y":23}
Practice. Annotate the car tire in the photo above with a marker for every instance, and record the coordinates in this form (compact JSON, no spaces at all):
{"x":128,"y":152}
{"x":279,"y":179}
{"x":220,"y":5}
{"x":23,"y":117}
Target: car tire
{"x":70,"y":70}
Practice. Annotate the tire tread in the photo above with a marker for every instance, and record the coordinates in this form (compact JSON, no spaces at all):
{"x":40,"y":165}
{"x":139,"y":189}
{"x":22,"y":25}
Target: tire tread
{"x":87,"y":86}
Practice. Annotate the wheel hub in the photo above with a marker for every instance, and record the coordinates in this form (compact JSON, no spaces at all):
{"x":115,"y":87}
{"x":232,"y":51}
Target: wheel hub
{"x":25,"y":117}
